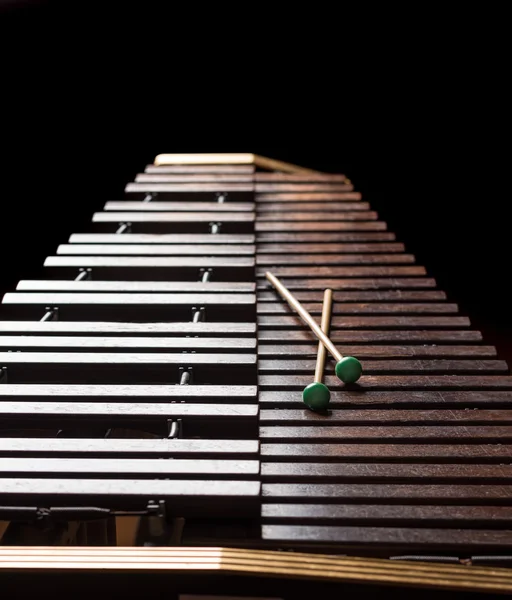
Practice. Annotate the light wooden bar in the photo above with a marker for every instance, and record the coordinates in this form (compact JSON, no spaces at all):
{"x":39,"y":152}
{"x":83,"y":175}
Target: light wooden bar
{"x":242,"y":158}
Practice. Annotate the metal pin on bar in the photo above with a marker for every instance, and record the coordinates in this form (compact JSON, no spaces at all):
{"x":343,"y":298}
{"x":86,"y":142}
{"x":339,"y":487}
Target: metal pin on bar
{"x":174,"y":426}
{"x":51,"y":314}
{"x":148,"y":197}
{"x":348,"y":368}
{"x":83,"y":275}
{"x":124,"y":228}
{"x":317,"y":395}
{"x":215,"y":227}
{"x":198,"y":314}
{"x":185,"y":376}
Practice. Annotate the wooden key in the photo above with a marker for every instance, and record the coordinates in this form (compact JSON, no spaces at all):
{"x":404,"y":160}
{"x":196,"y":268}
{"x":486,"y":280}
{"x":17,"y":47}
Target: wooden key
{"x":192,"y":207}
{"x":316,"y":237}
{"x":317,"y":395}
{"x":310,"y":216}
{"x":288,"y":188}
{"x":64,"y":285}
{"x":119,"y":467}
{"x":121,"y":448}
{"x":328,"y":206}
{"x":128,"y":328}
{"x":173,"y":217}
{"x":299,"y":177}
{"x":155,"y":249}
{"x":307,"y":196}
{"x":190,"y":239}
{"x":198,"y":169}
{"x":62,"y":343}
{"x":159,"y":177}
{"x":348,"y":368}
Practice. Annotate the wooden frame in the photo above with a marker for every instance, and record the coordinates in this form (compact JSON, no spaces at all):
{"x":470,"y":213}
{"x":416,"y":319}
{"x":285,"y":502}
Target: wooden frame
{"x":256,"y":563}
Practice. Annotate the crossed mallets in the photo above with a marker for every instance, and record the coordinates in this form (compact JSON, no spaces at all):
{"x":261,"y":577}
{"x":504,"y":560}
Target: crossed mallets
{"x":316,"y":395}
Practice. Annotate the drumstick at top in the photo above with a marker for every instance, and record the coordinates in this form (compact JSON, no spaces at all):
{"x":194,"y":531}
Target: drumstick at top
{"x":348,"y":368}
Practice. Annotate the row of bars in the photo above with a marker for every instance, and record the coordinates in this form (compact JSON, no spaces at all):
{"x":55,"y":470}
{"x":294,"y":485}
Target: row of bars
{"x":198,"y":316}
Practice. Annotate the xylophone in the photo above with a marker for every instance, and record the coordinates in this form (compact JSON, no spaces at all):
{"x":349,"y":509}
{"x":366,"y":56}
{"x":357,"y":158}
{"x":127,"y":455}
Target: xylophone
{"x":151,"y":393}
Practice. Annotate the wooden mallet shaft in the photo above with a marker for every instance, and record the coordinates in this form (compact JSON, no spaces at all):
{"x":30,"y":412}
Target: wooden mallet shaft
{"x":326,"y":327}
{"x":303,"y":314}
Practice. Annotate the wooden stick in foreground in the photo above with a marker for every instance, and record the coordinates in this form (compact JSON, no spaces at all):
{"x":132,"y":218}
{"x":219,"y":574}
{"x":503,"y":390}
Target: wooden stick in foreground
{"x":348,"y":368}
{"x":317,"y":395}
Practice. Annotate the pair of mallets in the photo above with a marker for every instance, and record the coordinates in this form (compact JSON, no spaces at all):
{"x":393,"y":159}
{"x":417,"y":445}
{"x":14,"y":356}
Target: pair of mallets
{"x":316,"y":395}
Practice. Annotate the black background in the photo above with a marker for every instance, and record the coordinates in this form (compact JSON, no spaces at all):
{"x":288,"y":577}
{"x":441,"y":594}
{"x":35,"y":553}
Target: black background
{"x":412,"y":107}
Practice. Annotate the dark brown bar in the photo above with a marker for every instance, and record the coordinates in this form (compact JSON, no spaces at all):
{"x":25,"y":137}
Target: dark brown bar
{"x":261,"y":227}
{"x":361,"y":296}
{"x":391,"y":434}
{"x":347,"y":308}
{"x":389,"y":352}
{"x":307,"y":196}
{"x":373,"y":337}
{"x":391,"y":382}
{"x":371,"y":399}
{"x":395,"y":452}
{"x":388,"y":471}
{"x":331,"y":207}
{"x":348,"y":322}
{"x":349,"y":248}
{"x":273,"y":260}
{"x":320,"y":272}
{"x":373,"y":513}
{"x":416,"y":538}
{"x":390,"y":416}
{"x":301,"y":188}
{"x":298,"y":177}
{"x":283,"y":217}
{"x":371,"y":367}
{"x":336,"y":284}
{"x":325,"y":237}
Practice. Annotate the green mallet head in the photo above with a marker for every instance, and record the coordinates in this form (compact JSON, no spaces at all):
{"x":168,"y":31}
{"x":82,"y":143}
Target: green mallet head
{"x":349,"y":369}
{"x":316,"y":396}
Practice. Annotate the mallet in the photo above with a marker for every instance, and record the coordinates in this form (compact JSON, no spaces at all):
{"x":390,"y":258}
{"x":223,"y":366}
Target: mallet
{"x":348,"y":368}
{"x":316,"y":395}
